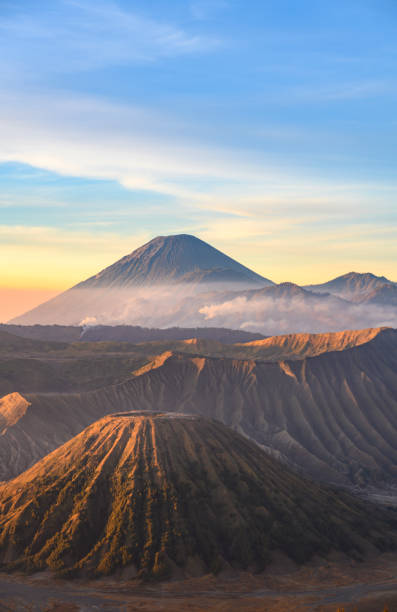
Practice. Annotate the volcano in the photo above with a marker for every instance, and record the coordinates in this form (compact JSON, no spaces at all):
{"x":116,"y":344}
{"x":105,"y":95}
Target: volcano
{"x":182,"y":258}
{"x":163,"y":271}
{"x":181,"y":281}
{"x":159,"y":492}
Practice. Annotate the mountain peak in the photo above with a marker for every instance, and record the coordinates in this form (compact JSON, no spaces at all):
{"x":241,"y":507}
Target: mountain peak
{"x":362,"y":276}
{"x":174,"y":238}
{"x":155,"y":267}
{"x":284,"y":290}
{"x":352,"y":285}
{"x":177,"y":258}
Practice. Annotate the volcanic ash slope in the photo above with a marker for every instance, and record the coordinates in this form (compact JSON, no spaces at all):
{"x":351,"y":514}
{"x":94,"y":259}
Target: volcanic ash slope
{"x":333,"y":415}
{"x":157,"y":492}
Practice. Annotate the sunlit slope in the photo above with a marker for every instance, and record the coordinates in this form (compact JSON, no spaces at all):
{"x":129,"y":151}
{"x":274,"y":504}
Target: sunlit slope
{"x":154,"y":492}
{"x":274,"y":348}
{"x":12,"y":408}
{"x":291,"y":346}
{"x":333,"y":415}
{"x":28,"y":365}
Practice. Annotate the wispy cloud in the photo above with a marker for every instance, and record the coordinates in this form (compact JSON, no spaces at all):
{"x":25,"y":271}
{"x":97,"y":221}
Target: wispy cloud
{"x":48,"y":236}
{"x":142,"y":150}
{"x":79,"y":35}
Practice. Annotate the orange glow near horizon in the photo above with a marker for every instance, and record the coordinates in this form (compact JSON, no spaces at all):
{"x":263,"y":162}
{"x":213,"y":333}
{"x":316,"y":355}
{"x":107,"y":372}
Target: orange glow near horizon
{"x":16,"y":301}
{"x":35,"y":272}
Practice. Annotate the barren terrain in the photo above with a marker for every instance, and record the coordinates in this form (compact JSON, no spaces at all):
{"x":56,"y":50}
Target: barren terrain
{"x":317,"y":587}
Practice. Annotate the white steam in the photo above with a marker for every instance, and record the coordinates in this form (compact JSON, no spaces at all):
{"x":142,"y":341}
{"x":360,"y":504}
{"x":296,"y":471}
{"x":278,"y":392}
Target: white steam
{"x":183,"y":306}
{"x":270,"y":316}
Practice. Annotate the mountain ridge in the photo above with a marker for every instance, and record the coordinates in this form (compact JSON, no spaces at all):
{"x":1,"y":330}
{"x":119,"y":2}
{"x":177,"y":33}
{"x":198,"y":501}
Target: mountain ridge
{"x":332,"y":416}
{"x":353,"y":285}
{"x":180,"y":280}
{"x":308,"y":345}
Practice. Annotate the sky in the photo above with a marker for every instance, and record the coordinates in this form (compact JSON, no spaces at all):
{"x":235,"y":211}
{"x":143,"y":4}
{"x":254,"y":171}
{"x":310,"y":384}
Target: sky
{"x":266,"y":128}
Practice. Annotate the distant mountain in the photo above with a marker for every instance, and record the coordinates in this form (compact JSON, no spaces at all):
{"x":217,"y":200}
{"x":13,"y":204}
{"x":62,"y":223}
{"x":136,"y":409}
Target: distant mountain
{"x":129,"y":333}
{"x":34,"y":366}
{"x":288,"y":292}
{"x":283,"y":291}
{"x":154,"y":269}
{"x":333,"y":416}
{"x":180,"y":258}
{"x":280,"y":309}
{"x":12,"y":343}
{"x":382,"y":295}
{"x":351,"y":286}
{"x":181,"y":281}
{"x":47,"y":333}
{"x":125,"y":333}
{"x":160,"y":494}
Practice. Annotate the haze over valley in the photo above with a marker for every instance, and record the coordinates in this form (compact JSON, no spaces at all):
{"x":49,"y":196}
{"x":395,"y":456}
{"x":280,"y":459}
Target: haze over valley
{"x":198,"y":286}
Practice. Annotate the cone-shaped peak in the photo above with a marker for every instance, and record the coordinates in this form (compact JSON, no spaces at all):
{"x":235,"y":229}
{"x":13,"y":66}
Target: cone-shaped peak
{"x":154,"y":491}
{"x":181,"y":258}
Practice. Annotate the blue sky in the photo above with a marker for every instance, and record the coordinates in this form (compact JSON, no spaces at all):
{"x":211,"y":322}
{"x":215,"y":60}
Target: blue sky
{"x":267,"y":128}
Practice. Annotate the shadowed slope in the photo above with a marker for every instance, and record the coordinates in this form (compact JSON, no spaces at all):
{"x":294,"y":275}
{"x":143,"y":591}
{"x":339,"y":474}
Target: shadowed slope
{"x":182,"y":257}
{"x":281,"y":294}
{"x":384,"y":295}
{"x":284,"y":291}
{"x":10,"y":343}
{"x":47,"y":333}
{"x":333,"y":415}
{"x":351,"y":286}
{"x":38,"y":364}
{"x":160,"y":491}
{"x":78,"y":368}
{"x":127,"y":333}
{"x":31,"y":366}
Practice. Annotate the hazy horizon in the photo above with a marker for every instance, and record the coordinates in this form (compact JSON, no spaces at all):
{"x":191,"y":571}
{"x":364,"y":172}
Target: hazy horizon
{"x":17,"y":301}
